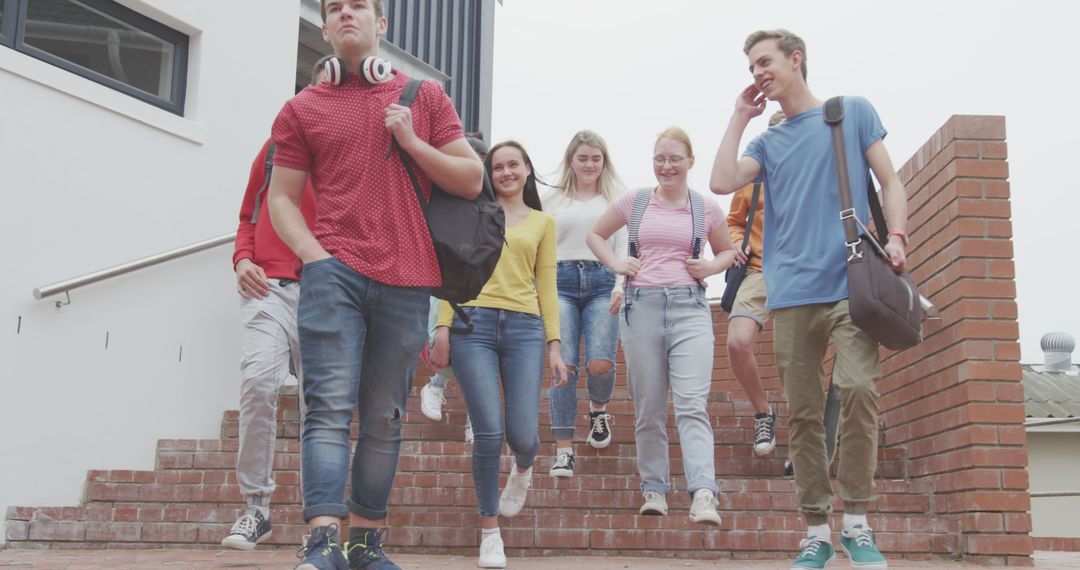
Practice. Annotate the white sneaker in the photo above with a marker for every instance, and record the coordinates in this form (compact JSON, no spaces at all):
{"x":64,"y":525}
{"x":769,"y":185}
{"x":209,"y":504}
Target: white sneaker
{"x":491,"y":552}
{"x":513,"y":496}
{"x":655,"y":504}
{"x":431,"y":401}
{"x":703,"y":509}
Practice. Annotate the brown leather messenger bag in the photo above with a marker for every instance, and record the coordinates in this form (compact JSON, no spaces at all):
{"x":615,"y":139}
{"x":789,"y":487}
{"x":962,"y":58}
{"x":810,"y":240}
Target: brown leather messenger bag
{"x":883,"y":303}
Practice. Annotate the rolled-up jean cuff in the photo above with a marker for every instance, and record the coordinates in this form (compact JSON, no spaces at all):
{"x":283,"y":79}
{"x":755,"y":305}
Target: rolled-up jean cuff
{"x":562,"y":433}
{"x":336,"y":510}
{"x":661,"y":488}
{"x":814,"y":519}
{"x":521,"y":459}
{"x":694,"y":487}
{"x":366,"y":512}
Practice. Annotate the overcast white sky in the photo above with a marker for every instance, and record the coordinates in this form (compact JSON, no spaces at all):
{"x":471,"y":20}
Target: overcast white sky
{"x":629,"y":68}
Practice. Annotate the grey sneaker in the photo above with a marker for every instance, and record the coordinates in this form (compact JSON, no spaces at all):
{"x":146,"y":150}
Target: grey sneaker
{"x":655,"y":504}
{"x":248,"y":530}
{"x":703,"y":509}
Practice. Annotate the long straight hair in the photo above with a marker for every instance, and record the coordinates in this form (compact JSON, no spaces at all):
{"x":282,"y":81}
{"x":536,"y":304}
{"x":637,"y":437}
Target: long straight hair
{"x":609,"y":184}
{"x":530,"y":194}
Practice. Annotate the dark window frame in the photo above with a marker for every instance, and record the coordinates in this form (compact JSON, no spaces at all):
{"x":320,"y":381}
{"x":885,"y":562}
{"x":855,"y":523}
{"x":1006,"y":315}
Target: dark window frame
{"x":10,"y":20}
{"x":13,"y":31}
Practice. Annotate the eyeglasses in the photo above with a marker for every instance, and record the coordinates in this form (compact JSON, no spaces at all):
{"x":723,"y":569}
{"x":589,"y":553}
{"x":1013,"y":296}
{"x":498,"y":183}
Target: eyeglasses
{"x":673,"y":160}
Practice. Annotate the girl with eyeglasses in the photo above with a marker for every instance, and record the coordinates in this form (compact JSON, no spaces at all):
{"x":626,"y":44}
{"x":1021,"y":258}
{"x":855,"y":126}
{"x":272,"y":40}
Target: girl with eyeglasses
{"x":589,"y":293}
{"x":666,"y":322}
{"x":515,"y":316}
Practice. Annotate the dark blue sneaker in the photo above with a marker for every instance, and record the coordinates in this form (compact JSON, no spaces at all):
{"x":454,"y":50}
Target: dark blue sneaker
{"x":249,"y":530}
{"x":367,"y":553}
{"x":322,"y":551}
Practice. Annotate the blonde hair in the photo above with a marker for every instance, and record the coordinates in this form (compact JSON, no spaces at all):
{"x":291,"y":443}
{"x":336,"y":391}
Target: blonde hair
{"x":788,"y":43}
{"x":609,"y":184}
{"x":677,"y":134}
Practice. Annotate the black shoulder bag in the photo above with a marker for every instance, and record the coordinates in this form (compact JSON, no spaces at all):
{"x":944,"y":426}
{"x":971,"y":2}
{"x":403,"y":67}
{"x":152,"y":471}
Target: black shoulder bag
{"x":467,"y":235}
{"x":734,"y":275}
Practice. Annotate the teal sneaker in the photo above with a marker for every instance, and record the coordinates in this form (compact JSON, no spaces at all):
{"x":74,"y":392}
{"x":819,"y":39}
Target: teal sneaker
{"x":816,"y":553}
{"x":858,"y":543}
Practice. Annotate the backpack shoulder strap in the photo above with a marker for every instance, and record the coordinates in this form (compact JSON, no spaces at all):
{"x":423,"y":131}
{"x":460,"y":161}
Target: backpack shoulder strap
{"x":641,"y":202}
{"x":697,"y":214}
{"x":266,"y":182}
{"x":408,"y":94}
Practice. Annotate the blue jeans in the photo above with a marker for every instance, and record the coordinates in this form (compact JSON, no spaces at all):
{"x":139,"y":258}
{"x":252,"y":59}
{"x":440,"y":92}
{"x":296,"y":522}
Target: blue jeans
{"x":584,"y":294}
{"x":344,"y":368}
{"x":505,"y":348}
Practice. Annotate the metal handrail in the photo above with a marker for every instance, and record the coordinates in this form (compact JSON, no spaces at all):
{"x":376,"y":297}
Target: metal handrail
{"x":1035,"y":422}
{"x":75,"y":282}
{"x":1046,"y":494}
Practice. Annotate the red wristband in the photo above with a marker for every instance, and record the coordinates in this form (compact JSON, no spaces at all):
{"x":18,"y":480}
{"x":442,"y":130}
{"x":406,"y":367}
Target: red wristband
{"x":903,"y":236}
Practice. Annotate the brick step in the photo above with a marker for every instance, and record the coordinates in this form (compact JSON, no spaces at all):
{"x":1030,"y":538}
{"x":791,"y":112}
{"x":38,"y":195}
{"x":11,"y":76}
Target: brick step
{"x":534,"y":532}
{"x":456,"y":457}
{"x":450,"y":489}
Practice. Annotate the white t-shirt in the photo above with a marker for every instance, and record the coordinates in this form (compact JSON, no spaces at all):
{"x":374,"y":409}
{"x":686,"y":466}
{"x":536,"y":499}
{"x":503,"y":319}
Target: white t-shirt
{"x":574,"y":219}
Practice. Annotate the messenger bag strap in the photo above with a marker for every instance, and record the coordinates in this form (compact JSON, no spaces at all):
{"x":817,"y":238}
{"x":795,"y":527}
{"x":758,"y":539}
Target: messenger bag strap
{"x":875,"y":210}
{"x":834,"y":117}
{"x":750,"y":216}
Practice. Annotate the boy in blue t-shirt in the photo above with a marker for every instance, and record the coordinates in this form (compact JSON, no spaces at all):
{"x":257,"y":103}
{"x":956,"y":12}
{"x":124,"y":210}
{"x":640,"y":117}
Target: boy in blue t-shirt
{"x":806,"y":278}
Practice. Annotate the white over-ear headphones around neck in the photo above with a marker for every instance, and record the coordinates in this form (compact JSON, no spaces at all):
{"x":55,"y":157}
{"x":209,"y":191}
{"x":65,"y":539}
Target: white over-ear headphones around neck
{"x":374,"y":70}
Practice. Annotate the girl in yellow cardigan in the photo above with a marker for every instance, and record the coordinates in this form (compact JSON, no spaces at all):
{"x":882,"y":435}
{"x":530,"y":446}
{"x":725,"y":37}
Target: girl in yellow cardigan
{"x":516,"y":314}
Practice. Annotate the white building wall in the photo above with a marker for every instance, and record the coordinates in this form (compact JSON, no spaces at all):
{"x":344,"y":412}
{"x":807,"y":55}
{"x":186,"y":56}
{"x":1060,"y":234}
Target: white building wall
{"x":1054,"y":466}
{"x":90,"y":178}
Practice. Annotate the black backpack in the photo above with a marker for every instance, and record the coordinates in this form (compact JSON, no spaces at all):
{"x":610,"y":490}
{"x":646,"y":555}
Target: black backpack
{"x":467,"y":235}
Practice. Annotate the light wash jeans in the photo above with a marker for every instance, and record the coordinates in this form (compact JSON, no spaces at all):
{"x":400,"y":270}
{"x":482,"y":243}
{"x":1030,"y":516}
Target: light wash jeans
{"x":505,"y":350}
{"x":584,"y":294}
{"x":270,"y":344}
{"x":667,"y":337}
{"x":346,"y":368}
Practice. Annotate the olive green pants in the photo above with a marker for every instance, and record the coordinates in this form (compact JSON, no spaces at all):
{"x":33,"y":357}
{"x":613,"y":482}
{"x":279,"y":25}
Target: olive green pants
{"x":801,"y":336}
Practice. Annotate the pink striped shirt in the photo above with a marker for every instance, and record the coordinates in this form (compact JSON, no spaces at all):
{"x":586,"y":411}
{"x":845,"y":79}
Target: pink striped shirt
{"x":664,"y":237}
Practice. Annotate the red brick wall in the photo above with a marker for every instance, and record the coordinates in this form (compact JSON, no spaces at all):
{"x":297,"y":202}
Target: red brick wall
{"x":955,"y":403}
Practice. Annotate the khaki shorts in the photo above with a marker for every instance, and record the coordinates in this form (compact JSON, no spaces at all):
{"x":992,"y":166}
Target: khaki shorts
{"x":750,"y":300}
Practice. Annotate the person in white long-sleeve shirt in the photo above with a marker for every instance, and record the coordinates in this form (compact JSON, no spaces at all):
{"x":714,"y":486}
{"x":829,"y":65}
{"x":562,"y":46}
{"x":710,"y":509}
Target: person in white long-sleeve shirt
{"x":589,"y":293}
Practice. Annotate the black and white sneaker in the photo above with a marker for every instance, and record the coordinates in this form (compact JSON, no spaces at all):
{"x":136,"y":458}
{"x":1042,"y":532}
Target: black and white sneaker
{"x":249,"y":530}
{"x":563,"y":466}
{"x":600,"y":429}
{"x":764,"y":433}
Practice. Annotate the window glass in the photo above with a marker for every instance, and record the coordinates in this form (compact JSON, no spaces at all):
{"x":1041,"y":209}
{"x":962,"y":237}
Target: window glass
{"x":91,"y":39}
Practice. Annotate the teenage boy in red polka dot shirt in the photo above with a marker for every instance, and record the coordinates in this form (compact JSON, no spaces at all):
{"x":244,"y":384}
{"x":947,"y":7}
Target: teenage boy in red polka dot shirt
{"x":368,"y":264}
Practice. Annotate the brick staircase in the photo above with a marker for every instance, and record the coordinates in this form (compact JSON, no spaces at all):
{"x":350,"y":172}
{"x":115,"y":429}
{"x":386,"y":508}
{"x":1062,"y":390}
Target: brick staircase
{"x":191,"y":498}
